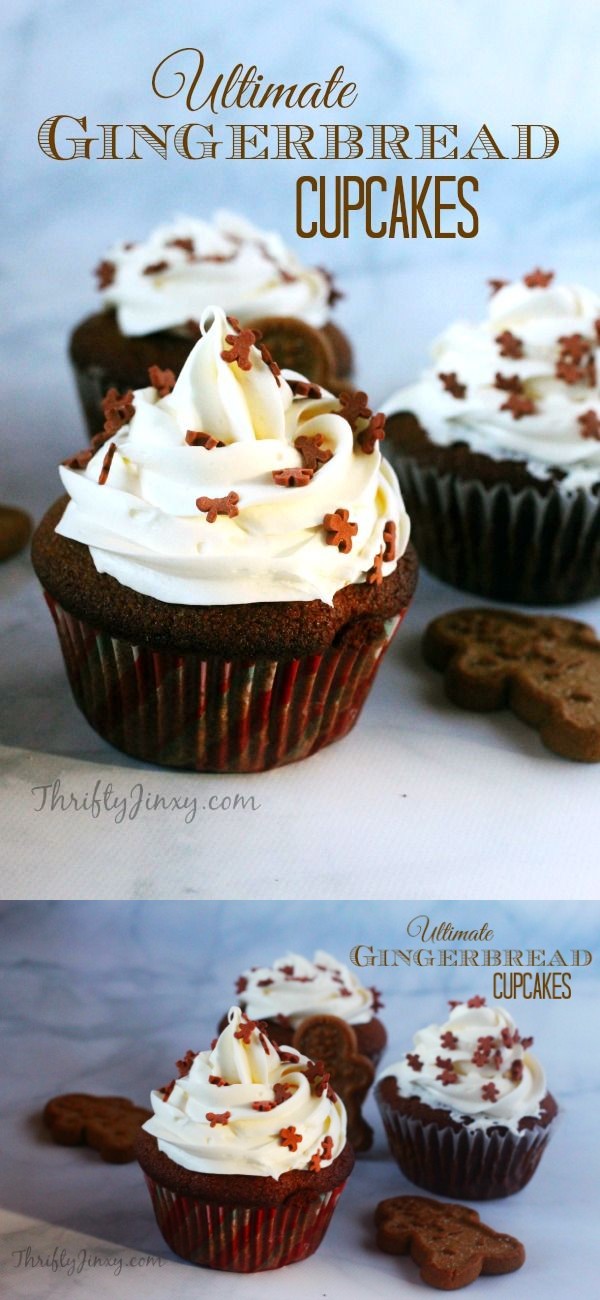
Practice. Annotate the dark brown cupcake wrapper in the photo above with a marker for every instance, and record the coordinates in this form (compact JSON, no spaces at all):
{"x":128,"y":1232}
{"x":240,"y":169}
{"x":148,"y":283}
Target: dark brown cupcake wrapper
{"x":519,"y":546}
{"x":216,"y":715}
{"x":242,"y":1239}
{"x":473,"y":1164}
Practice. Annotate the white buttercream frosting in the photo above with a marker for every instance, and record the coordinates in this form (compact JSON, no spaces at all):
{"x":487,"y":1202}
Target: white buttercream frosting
{"x":248,"y":1074}
{"x":249,"y":272}
{"x":551,"y":437}
{"x":295,"y":988}
{"x":144,"y":527}
{"x":475,"y":1064}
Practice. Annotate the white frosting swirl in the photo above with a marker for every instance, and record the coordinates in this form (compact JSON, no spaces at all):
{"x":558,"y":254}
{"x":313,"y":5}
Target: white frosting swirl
{"x":551,"y":437}
{"x":248,"y":272}
{"x":502,"y":1085}
{"x":295,"y":987}
{"x":143,"y":526}
{"x":250,"y":1073}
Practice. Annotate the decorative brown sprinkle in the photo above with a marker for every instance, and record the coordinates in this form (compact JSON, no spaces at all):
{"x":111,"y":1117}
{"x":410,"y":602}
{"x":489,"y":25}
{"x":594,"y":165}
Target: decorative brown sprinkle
{"x":590,"y":425}
{"x":155,"y":268}
{"x":569,"y":372}
{"x":449,"y":1040}
{"x":451,"y":383}
{"x":447,"y":1076}
{"x":298,"y":476}
{"x":281,"y":1092}
{"x":377,"y":1002}
{"x":575,"y":346}
{"x":353,"y":407}
{"x":106,"y":464}
{"x":290,"y":1138}
{"x":317,"y":1076}
{"x":314,"y":1163}
{"x":118,"y":409}
{"x":167,"y":1090}
{"x":538,"y":279}
{"x":496,"y":285}
{"x":105,"y":273}
{"x":415,"y":1062}
{"x":215,"y":1119}
{"x":217,"y":1081}
{"x":162,"y":380}
{"x":477,"y":1001}
{"x":483,"y":1050}
{"x":304,"y":388}
{"x":195,"y":438}
{"x":519,"y":406}
{"x":185,"y":1064}
{"x":374,"y":433}
{"x":489,"y":1092}
{"x":290,"y":1058}
{"x":270,"y":362}
{"x":497,"y":1059}
{"x":263,"y":1106}
{"x":389,"y":538}
{"x":311,"y":451}
{"x":516,"y":1071}
{"x":340,"y":530}
{"x":213,"y":506}
{"x":526,"y":1043}
{"x":375,"y":575}
{"x":79,"y":460}
{"x":507,"y":1038}
{"x":334,"y":294}
{"x":327,"y":1148}
{"x":454,"y":1003}
{"x":509,"y":345}
{"x":186,"y":245}
{"x":245,"y":1030}
{"x":239,"y":349}
{"x":508,"y":383}
{"x":241,"y":984}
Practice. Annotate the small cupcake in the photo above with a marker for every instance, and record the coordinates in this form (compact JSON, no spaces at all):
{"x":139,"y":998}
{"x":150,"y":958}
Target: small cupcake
{"x":230,"y":564}
{"x":497,"y":447}
{"x":246,"y":1155}
{"x":294,"y":989}
{"x":467,"y":1113}
{"x":154,"y":293}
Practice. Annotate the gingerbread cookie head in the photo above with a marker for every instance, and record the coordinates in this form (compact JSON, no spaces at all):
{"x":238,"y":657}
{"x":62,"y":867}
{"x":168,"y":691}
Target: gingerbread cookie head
{"x":109,"y":1125}
{"x":332,"y":1043}
{"x":545,"y":668}
{"x":448,"y":1242}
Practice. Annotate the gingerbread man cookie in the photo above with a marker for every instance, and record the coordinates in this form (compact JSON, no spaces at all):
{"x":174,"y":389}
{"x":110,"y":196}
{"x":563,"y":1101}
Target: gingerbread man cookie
{"x":448,"y":1242}
{"x":332,"y":1041}
{"x":545,"y":668}
{"x":109,"y":1125}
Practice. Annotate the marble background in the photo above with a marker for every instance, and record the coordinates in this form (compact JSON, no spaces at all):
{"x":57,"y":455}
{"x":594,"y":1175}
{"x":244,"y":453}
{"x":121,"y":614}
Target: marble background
{"x":104,"y":997}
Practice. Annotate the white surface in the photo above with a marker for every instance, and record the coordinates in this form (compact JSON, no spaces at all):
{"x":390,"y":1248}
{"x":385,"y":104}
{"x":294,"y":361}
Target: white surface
{"x":104,"y":998}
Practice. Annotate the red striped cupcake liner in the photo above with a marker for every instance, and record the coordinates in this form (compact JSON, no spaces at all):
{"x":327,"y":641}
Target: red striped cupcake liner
{"x":215,"y":715}
{"x":242,"y":1239}
{"x":473,"y":1164}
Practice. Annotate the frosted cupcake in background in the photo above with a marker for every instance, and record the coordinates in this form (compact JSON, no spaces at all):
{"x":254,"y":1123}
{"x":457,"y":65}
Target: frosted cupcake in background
{"x":230,"y":564}
{"x":246,"y":1155}
{"x":497,"y":447}
{"x":154,"y":292}
{"x":293,"y":988}
{"x":467,"y":1112}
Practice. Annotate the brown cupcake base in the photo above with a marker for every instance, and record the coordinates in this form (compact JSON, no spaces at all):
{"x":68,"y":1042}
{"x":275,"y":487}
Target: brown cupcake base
{"x":490,"y":527}
{"x":102,"y":357}
{"x":441,"y":1154}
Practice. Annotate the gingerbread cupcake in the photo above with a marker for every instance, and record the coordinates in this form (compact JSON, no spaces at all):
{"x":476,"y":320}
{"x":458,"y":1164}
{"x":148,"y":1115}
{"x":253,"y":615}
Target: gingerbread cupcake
{"x":497,"y":447}
{"x":153,"y":294}
{"x":468,"y":1113}
{"x":293,"y":989}
{"x":246,"y":1155}
{"x":230,"y":564}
